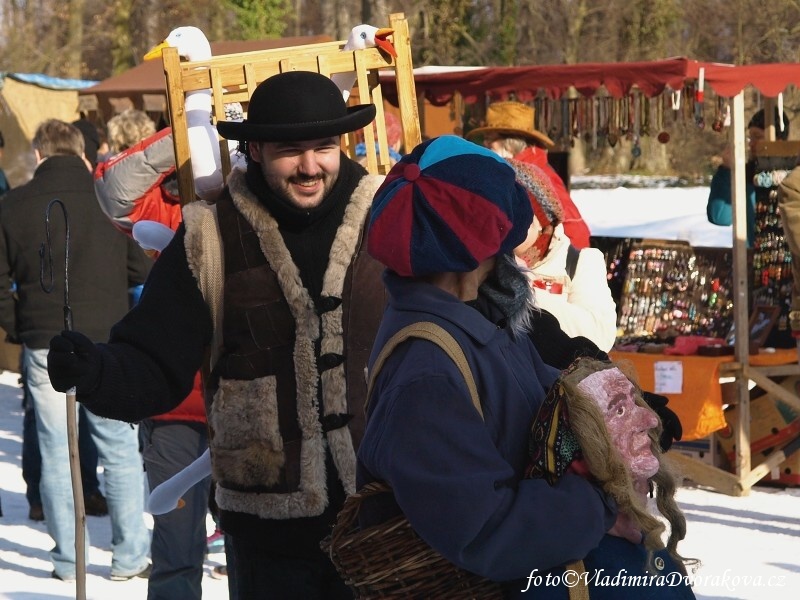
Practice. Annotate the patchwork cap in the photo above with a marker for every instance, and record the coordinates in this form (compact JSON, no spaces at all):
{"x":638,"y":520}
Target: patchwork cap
{"x":446,"y":207}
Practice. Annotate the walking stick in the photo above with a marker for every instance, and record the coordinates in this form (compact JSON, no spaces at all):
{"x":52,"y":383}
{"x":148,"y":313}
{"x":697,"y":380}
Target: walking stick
{"x":72,"y":421}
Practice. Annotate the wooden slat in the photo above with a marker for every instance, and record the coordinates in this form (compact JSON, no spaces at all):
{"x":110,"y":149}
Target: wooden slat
{"x":763,"y":469}
{"x":779,"y":148}
{"x":384,"y":160}
{"x":364,"y":96}
{"x":177,"y":118}
{"x":769,"y":386}
{"x":404,"y":77}
{"x":196,"y":75}
{"x":218,"y":109}
{"x":704,"y":474}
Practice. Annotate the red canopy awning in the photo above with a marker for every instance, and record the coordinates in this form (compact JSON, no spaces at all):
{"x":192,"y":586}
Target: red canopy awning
{"x":770,"y":78}
{"x":650,"y":77}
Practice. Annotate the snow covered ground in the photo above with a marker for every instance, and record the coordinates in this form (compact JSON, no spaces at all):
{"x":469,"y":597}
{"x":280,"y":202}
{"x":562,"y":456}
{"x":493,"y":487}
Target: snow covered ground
{"x":749,"y":547}
{"x":653,"y":212}
{"x":24,"y":545}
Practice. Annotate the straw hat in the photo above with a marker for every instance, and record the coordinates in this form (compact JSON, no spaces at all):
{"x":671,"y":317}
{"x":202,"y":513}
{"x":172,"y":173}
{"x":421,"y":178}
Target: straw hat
{"x":512,"y":119}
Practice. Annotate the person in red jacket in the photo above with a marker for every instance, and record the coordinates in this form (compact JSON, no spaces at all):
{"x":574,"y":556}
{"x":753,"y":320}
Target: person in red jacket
{"x":510,"y":133}
{"x":129,"y":188}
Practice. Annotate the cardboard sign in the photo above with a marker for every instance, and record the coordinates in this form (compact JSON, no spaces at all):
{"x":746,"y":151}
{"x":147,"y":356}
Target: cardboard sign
{"x":668,"y":376}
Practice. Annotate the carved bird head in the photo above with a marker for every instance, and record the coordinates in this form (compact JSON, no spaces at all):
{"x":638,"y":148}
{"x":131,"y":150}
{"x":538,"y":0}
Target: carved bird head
{"x":366,"y":36}
{"x":191,"y":43}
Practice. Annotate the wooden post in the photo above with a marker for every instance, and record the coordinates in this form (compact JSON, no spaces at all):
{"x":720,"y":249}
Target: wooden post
{"x":406,"y":89}
{"x":740,"y":291}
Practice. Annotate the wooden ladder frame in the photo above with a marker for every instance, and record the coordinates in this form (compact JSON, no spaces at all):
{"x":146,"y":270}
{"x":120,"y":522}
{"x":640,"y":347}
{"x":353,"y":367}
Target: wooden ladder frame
{"x":234,"y":78}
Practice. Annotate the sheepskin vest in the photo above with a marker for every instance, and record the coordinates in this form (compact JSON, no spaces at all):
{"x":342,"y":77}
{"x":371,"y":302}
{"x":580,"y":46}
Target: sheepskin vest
{"x":274,"y":352}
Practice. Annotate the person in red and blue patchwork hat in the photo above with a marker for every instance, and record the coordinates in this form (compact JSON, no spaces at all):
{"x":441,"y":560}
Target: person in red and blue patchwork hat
{"x":445,"y":224}
{"x":447,"y":206}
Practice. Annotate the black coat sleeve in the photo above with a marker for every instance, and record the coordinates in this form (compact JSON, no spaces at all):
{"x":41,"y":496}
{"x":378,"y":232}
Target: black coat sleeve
{"x":555,"y":346}
{"x":154,"y":352}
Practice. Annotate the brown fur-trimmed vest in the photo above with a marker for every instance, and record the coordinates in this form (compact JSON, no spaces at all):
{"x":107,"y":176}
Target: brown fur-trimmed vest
{"x":268,"y":445}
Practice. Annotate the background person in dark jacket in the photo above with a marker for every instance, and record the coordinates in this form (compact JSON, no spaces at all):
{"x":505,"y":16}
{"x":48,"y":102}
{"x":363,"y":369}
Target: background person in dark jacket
{"x":93,"y":500}
{"x":103,"y":265}
{"x":719,"y":209}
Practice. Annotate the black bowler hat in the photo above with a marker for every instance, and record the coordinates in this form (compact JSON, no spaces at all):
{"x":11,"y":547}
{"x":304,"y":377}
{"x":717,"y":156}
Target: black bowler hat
{"x":296,"y":106}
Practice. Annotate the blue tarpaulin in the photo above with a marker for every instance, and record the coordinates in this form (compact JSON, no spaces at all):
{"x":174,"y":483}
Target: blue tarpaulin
{"x":45,"y":81}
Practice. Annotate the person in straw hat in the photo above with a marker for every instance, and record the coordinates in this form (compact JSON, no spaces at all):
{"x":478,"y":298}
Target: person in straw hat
{"x":510,"y":131}
{"x":272,"y":291}
{"x":445,"y":224}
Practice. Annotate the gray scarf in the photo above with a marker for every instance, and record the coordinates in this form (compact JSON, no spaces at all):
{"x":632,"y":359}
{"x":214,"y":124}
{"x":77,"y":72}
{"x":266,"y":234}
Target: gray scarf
{"x":508,"y":289}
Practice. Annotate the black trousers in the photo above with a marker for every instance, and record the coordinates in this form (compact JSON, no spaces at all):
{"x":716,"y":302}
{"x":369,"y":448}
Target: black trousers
{"x":265,"y":576}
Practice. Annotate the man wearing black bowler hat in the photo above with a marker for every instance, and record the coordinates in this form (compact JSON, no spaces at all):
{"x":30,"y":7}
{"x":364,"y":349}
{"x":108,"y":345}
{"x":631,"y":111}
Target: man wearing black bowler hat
{"x":272,"y":292}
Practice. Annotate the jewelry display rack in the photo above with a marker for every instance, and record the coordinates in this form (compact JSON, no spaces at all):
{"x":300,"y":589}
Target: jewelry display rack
{"x":771,"y":274}
{"x":667,"y":288}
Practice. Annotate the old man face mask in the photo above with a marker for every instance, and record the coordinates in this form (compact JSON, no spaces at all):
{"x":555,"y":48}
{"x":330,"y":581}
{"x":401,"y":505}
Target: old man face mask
{"x":628,"y":423}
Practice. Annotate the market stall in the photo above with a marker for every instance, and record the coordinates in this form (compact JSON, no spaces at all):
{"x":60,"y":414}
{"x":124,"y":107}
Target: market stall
{"x":26,"y":99}
{"x":600,"y":103}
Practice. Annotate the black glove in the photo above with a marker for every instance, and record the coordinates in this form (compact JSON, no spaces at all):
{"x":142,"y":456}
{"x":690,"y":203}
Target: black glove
{"x":670,"y":422}
{"x":73,"y":361}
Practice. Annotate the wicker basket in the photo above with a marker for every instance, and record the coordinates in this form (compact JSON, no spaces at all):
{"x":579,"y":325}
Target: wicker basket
{"x":391,"y":561}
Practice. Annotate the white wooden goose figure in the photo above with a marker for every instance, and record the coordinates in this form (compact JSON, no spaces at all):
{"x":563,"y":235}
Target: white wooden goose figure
{"x":167,"y":495}
{"x":362,"y":36}
{"x":191,"y":42}
{"x":193,"y":45}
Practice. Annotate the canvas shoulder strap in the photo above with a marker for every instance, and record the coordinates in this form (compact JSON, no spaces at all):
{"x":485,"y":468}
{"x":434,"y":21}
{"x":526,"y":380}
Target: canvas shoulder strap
{"x":439,"y":336}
